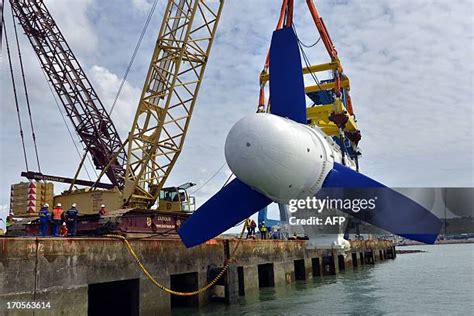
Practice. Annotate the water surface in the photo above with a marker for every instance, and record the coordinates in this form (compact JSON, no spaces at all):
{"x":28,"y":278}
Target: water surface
{"x":439,"y":281}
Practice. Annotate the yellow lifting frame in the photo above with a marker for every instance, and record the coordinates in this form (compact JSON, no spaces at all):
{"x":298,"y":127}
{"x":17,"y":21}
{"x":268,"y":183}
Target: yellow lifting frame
{"x":319,"y":116}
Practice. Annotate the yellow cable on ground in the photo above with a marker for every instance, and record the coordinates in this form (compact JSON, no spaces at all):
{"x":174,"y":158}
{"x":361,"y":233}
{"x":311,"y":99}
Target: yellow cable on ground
{"x":168,"y":290}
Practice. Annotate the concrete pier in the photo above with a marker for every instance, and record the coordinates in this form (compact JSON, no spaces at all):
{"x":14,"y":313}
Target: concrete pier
{"x":81,"y":275}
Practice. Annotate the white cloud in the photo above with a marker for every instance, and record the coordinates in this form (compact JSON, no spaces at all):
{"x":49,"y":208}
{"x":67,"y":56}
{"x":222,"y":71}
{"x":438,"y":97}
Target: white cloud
{"x":142,"y":6}
{"x":107,"y":84}
{"x":73,"y":17}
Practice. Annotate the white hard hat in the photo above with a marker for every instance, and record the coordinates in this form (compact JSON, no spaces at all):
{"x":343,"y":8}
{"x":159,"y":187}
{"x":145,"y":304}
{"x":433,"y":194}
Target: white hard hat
{"x":103,"y":205}
{"x":74,"y":205}
{"x":59,"y":205}
{"x":46,"y":205}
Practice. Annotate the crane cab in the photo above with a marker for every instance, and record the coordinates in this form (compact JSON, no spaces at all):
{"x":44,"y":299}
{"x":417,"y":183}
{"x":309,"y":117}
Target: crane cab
{"x":177,"y":199}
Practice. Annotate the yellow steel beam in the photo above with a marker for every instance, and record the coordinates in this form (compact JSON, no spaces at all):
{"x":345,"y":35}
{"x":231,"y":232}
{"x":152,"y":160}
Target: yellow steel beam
{"x":168,"y":97}
{"x":328,"y":86}
{"x":321,"y":67}
{"x":311,"y":69}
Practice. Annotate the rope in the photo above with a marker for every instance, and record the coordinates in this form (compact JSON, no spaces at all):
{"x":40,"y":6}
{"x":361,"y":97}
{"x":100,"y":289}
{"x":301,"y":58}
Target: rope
{"x":135,"y":51}
{"x":26,"y":92}
{"x":168,"y":290}
{"x":15,"y":94}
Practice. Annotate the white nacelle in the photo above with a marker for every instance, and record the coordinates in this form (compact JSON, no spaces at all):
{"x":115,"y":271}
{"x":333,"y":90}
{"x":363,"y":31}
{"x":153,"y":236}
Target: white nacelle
{"x":278,"y":157}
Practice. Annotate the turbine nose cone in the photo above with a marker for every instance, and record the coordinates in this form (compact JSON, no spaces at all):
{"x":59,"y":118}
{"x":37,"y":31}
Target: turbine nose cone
{"x":273,"y":155}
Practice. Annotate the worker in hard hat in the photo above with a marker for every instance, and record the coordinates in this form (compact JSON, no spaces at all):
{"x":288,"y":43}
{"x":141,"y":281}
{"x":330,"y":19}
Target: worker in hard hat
{"x":44,"y":219}
{"x":71,"y":219}
{"x":249,"y":229}
{"x":9,"y":221}
{"x":103,"y":210}
{"x":57,"y":219}
{"x":63,"y":230}
{"x":263,"y":230}
{"x":253,"y":226}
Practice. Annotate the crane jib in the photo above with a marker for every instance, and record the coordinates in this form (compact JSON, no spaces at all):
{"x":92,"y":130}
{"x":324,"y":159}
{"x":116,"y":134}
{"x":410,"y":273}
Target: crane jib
{"x":81,"y":103}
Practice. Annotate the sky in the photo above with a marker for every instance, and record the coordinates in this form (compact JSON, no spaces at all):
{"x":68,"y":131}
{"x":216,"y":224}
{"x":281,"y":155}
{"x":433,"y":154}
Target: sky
{"x":410,"y":64}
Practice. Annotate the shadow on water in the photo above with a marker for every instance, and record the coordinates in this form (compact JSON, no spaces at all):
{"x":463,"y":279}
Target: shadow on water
{"x":278,"y":300}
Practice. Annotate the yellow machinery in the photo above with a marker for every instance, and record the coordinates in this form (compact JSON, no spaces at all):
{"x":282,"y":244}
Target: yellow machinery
{"x":138,"y":167}
{"x":177,"y":199}
{"x":320,"y":115}
{"x":167,"y":102}
{"x":168,"y":97}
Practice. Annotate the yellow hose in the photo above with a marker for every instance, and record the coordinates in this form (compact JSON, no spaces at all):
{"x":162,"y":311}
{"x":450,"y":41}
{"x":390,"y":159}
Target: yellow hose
{"x":168,"y":290}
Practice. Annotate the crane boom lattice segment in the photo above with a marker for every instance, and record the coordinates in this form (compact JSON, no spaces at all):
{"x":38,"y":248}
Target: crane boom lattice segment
{"x":169,"y":95}
{"x":84,"y":108}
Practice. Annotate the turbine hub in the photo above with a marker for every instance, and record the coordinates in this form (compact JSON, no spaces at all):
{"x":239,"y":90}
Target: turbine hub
{"x":278,"y":157}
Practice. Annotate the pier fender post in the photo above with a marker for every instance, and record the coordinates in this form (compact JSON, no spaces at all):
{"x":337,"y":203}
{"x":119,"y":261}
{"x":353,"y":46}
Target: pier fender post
{"x":328,"y":263}
{"x":316,"y":263}
{"x":231,"y":278}
{"x":355,"y":264}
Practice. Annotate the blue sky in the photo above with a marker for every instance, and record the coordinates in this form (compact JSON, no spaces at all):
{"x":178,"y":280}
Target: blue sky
{"x":410,"y":64}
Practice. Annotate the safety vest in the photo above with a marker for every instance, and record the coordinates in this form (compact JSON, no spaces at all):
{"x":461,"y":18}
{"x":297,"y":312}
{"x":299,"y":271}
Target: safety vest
{"x":57,"y":212}
{"x":263,"y":228}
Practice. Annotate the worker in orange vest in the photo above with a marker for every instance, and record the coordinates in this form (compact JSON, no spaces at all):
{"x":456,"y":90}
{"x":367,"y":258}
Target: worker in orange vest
{"x":57,"y":219}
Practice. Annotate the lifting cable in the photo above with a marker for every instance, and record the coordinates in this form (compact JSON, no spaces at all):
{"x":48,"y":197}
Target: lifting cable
{"x":305,"y":57}
{"x":15,"y":94}
{"x":26,"y":93}
{"x":315,"y":78}
{"x":227,"y":181}
{"x":135,"y":51}
{"x":301,"y":42}
{"x":65,"y":122}
{"x":162,"y":287}
{"x":209,"y":180}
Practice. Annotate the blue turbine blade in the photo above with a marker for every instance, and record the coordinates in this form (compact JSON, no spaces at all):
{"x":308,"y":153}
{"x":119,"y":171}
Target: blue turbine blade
{"x":287,"y":96}
{"x":393,"y":211}
{"x":234,"y":203}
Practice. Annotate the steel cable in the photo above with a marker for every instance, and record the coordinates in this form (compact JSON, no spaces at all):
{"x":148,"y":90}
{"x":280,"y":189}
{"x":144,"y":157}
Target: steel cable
{"x":33,"y":134}
{"x":135,"y":51}
{"x":15,"y":94}
{"x":209,"y":180}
